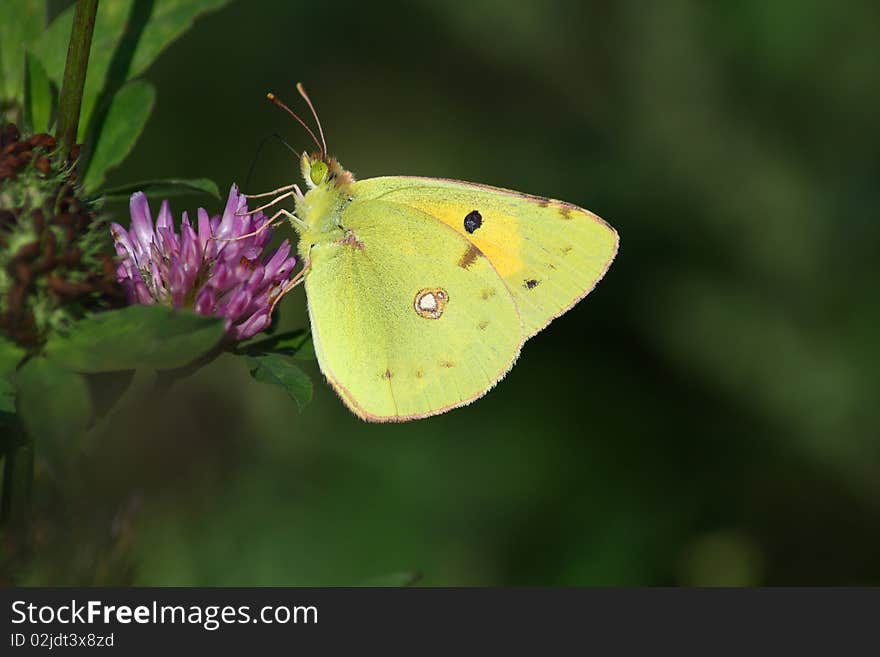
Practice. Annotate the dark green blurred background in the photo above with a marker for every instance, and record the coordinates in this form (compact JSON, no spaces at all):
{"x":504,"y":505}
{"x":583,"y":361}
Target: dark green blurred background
{"x":708,"y":415}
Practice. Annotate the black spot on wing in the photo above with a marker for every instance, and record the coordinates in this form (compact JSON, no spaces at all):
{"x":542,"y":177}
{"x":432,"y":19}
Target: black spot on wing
{"x":472,"y":221}
{"x":531,"y":284}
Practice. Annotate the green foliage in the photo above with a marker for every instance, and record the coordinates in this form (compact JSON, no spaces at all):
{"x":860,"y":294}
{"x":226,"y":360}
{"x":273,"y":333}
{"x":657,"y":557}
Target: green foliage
{"x":296,"y":343}
{"x":37,"y":96}
{"x":125,"y":120}
{"x":154,"y":337}
{"x":56,"y":275}
{"x":277,"y":370}
{"x":54,"y":405}
{"x":21,"y":21}
{"x":129,"y":36}
{"x":107,"y":388}
{"x":163,"y":188}
{"x":268,"y":362}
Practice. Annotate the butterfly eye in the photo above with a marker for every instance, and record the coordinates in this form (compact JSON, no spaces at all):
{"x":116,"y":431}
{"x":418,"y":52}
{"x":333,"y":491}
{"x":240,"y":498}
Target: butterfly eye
{"x":318,"y":172}
{"x":430,"y":302}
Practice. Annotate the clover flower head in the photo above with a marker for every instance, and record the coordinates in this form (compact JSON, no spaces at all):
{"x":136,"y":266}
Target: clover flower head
{"x":197,"y":268}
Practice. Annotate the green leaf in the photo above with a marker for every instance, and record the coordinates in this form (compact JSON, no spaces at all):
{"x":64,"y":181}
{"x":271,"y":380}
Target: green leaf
{"x":170,"y":19}
{"x":53,"y":403}
{"x":37,"y":96}
{"x":271,"y":368}
{"x":106,"y":388}
{"x":163,"y":188}
{"x":129,"y":35}
{"x":155,"y":337}
{"x":10,"y":356}
{"x":291,"y":343}
{"x":126,"y":118}
{"x":21,"y":22}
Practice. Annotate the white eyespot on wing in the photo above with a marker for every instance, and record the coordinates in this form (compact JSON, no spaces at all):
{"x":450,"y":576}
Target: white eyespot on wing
{"x":430,"y":302}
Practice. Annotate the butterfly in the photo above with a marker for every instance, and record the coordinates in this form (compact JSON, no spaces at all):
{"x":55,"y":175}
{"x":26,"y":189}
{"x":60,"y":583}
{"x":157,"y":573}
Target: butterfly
{"x":422,"y":291}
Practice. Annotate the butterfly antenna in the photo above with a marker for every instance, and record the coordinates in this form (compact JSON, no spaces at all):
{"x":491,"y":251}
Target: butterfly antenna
{"x":274,"y":99}
{"x":302,"y":92}
{"x":274,"y":135}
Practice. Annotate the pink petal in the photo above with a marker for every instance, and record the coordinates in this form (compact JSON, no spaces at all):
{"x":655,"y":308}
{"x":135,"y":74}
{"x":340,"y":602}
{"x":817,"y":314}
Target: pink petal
{"x":141,"y":220}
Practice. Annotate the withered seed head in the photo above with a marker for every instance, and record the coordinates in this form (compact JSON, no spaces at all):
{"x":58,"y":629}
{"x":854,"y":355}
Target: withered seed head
{"x":52,"y":266}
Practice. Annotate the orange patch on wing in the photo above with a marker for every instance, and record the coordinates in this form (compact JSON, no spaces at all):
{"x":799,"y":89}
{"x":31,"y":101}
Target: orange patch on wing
{"x":350,"y":239}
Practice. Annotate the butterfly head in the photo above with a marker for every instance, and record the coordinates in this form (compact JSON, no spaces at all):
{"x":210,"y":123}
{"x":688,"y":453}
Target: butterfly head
{"x":318,"y":169}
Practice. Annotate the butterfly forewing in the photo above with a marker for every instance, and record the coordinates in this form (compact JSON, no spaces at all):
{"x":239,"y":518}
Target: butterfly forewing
{"x":550,"y":254}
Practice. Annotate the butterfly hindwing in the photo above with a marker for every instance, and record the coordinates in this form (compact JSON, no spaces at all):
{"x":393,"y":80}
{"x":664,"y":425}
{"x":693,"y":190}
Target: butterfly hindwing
{"x":409,"y":319}
{"x":549,"y":253}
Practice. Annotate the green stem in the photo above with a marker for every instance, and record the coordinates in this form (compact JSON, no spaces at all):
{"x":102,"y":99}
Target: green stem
{"x":75,"y":73}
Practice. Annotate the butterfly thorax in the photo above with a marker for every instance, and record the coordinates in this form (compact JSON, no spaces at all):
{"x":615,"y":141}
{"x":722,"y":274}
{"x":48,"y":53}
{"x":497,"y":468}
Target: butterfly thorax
{"x":320,"y":209}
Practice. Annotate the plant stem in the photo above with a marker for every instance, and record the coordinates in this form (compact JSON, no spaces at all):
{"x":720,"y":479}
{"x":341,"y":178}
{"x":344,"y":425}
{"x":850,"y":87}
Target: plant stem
{"x":75,"y":73}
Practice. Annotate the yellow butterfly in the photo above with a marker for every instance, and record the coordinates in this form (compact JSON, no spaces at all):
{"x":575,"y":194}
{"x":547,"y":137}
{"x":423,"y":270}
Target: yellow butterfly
{"x":422,"y":291}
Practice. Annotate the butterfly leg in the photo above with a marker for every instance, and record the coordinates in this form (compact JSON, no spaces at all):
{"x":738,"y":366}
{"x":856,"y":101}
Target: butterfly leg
{"x":274,"y":192}
{"x":296,"y":193}
{"x":292,"y":283}
{"x":269,"y":224}
{"x":296,"y":221}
